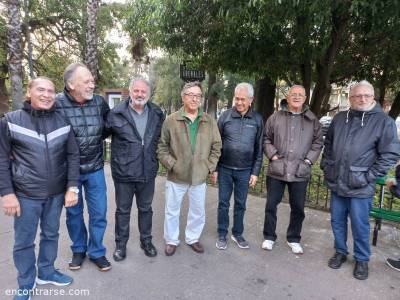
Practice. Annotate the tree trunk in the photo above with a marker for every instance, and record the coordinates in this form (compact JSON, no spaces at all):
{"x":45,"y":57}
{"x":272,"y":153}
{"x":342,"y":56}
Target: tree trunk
{"x":15,"y":52}
{"x":383,"y":81}
{"x":325,"y":64}
{"x":306,"y":72}
{"x":3,"y":90}
{"x":212,"y":99}
{"x":265,"y":97}
{"x":91,"y":38}
{"x":27,"y":33}
{"x":395,"y":109}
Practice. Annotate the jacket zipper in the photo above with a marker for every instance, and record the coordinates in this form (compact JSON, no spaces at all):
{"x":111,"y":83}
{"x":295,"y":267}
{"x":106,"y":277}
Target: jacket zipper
{"x":48,"y":163}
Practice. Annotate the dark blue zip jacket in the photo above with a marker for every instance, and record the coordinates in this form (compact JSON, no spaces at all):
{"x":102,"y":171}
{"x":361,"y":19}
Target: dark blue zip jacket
{"x":39,"y":156}
{"x":241,"y":140}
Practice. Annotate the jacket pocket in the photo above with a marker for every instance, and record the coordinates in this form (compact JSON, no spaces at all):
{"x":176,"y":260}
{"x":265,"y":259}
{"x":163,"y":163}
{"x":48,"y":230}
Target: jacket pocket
{"x":277,"y":167}
{"x":303,"y":170}
{"x":358,"y":177}
{"x":329,"y":170}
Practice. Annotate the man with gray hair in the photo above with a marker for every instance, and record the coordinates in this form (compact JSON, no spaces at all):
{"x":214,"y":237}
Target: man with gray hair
{"x":86,"y":112}
{"x":241,"y":130}
{"x":135,"y":125}
{"x":189,"y":148}
{"x":361,"y":145}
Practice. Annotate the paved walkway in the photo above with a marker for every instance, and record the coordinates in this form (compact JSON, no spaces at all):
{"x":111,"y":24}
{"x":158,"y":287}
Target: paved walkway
{"x":229,"y":274}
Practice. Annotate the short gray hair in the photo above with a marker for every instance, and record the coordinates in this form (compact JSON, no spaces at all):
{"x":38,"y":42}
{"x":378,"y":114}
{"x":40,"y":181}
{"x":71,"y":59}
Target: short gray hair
{"x":70,"y":71}
{"x":247,"y":86}
{"x":298,"y":86}
{"x":140,"y":78}
{"x":189,"y":85}
{"x":364,"y":83}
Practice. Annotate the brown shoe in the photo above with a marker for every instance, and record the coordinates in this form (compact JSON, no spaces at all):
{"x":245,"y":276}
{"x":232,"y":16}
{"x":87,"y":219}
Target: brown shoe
{"x":197,"y":247}
{"x":170,"y":249}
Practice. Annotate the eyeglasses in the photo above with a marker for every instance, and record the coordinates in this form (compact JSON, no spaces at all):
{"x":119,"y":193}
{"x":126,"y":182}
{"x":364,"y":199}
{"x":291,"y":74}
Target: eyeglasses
{"x":196,"y":97}
{"x":296,"y":95}
{"x":366,"y":96}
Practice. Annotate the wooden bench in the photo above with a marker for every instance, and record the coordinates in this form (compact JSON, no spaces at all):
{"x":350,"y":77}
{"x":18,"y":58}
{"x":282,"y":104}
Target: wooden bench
{"x":380,"y":213}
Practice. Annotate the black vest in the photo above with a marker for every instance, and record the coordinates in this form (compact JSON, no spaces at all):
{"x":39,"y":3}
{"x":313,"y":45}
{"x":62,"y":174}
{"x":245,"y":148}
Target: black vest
{"x":87,"y":121}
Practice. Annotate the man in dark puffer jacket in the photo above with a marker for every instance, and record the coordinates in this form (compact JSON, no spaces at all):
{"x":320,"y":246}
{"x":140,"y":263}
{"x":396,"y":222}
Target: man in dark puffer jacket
{"x":87,"y":114}
{"x":38,"y":163}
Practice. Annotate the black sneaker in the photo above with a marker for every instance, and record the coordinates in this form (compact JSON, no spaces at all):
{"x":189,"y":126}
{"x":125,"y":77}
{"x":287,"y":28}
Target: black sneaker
{"x":394,"y":264}
{"x":77,"y":260}
{"x":335,"y":262}
{"x":361,"y":270}
{"x":148,"y":248}
{"x":102,"y":263}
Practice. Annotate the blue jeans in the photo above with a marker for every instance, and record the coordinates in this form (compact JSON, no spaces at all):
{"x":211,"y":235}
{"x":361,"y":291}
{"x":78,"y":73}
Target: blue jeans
{"x":48,"y":211}
{"x":237,"y":181}
{"x":358,"y":209}
{"x":95,"y":189}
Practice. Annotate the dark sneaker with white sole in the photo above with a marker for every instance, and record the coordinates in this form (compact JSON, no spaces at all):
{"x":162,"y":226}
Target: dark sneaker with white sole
{"x":240,"y":241}
{"x":102,"y":263}
{"x":77,"y":260}
{"x":57,"y":278}
{"x":221,"y":243}
{"x":394,"y":264}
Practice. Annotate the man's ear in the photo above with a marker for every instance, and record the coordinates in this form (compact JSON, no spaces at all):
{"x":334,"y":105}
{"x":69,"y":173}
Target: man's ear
{"x":70,"y":86}
{"x":28,"y":94}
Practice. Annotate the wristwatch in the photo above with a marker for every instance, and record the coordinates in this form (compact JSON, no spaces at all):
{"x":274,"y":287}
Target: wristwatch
{"x":73,"y":189}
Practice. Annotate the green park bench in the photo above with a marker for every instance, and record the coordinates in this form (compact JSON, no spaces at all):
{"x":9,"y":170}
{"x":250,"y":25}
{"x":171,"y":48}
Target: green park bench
{"x":380,"y":213}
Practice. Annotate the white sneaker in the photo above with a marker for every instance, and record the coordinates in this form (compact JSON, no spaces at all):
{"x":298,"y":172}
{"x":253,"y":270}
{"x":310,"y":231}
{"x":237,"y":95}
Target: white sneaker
{"x":268,"y":245}
{"x":296,"y":248}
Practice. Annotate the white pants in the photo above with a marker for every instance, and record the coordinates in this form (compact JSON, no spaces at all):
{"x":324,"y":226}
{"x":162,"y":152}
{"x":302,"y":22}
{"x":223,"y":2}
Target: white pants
{"x":196,"y":219}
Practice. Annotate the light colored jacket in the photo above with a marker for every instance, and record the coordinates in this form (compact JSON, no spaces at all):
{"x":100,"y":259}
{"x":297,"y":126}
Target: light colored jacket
{"x":175,"y":152}
{"x":293,"y":138}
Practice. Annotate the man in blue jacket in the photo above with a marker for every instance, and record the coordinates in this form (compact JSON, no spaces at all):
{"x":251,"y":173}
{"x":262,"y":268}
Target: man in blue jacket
{"x":241,"y":130}
{"x":361,"y":145}
{"x":39,"y":171}
{"x":135,"y":125}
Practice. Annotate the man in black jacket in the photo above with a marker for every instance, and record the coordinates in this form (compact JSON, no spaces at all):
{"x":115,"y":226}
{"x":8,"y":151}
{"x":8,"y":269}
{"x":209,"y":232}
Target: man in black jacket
{"x":361,"y":145}
{"x":39,"y":171}
{"x":241,"y":131}
{"x":87,"y":114}
{"x":135,"y":125}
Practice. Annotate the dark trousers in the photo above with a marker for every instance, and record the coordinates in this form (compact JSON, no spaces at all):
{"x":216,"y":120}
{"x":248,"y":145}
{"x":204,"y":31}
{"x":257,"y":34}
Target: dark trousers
{"x":297,"y":198}
{"x":237,"y":181}
{"x":124,"y":192}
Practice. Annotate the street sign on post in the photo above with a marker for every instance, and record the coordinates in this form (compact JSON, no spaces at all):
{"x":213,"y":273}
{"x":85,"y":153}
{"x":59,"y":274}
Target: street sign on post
{"x":189,"y":75}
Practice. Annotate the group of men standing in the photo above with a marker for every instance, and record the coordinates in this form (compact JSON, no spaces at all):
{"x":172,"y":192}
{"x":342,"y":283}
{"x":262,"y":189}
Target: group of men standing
{"x":51,"y":154}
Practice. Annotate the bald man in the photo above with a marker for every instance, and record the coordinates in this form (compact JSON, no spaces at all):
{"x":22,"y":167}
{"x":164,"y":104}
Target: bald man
{"x":39,"y":171}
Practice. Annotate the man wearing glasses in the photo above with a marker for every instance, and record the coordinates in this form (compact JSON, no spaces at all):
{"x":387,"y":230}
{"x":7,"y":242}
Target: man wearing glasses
{"x":292,"y":143}
{"x":361,"y":145}
{"x":189,"y":148}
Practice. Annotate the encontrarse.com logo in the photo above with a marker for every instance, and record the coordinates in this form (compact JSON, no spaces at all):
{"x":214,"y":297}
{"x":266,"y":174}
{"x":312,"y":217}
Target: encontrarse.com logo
{"x":47,"y":292}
